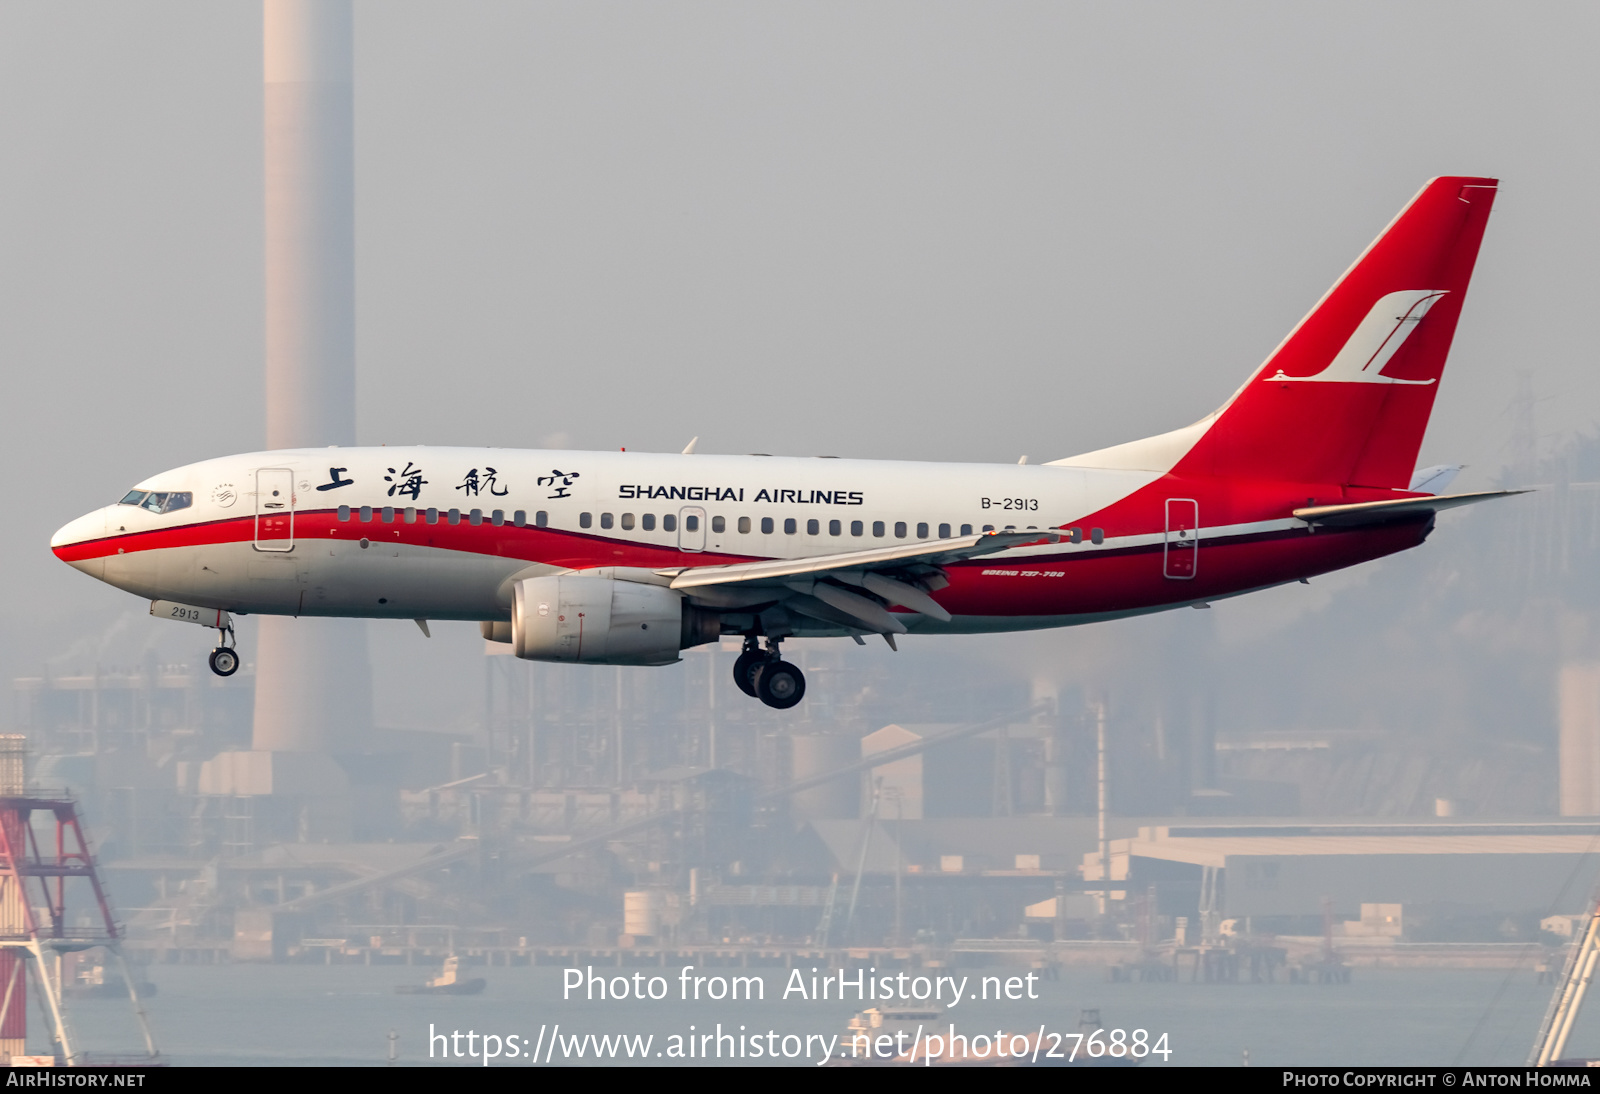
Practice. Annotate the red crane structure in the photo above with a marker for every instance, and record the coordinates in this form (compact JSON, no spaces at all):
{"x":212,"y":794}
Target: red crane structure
{"x":45,"y":866}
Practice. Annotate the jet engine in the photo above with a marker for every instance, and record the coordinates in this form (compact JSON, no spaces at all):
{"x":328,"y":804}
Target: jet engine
{"x":601,"y":620}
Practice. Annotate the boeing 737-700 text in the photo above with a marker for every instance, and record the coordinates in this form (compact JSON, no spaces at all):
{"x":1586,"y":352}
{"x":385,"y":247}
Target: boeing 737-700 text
{"x":626,"y":558}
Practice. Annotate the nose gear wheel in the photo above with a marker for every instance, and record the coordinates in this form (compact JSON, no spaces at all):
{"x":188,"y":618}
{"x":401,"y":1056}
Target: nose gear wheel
{"x":224,"y":660}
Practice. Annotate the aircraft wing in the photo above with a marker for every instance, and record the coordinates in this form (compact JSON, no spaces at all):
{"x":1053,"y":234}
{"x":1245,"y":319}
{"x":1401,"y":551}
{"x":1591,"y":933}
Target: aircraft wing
{"x":816,"y":586}
{"x":931,"y":552}
{"x":1378,"y":512}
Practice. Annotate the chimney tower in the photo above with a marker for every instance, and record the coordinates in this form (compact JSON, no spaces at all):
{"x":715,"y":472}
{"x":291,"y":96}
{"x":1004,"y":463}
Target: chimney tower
{"x":313,"y":676}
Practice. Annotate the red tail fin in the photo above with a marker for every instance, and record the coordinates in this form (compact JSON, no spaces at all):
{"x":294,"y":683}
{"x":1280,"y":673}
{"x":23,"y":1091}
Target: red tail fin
{"x":1346,"y":397}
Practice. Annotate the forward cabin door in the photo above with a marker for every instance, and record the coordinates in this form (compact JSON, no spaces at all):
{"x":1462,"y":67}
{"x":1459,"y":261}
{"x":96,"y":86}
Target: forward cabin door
{"x":275,"y":509}
{"x":1183,"y":539}
{"x":691,"y":528}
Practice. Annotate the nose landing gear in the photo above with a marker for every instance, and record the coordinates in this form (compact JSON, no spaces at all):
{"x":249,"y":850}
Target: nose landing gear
{"x":764,"y":675}
{"x":224,"y":659}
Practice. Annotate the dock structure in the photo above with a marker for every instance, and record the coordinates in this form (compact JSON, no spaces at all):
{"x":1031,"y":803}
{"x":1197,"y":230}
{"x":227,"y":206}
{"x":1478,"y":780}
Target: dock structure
{"x":46,"y":866}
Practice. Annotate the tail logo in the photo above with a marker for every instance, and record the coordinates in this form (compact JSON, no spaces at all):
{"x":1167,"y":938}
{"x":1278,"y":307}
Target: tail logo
{"x":1376,"y":340}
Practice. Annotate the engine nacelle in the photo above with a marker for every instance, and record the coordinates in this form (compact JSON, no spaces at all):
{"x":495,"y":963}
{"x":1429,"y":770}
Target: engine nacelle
{"x":600,"y":620}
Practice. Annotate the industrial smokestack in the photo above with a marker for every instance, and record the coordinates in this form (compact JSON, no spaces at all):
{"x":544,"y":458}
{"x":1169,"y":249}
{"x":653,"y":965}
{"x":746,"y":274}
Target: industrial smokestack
{"x":310,"y":222}
{"x":313,"y":677}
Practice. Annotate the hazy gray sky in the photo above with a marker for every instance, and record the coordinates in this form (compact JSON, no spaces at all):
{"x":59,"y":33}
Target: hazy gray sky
{"x":926,"y":230}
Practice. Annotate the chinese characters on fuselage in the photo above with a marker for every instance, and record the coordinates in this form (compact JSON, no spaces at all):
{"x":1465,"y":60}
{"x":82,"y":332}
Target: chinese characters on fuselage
{"x":472,"y":483}
{"x":407,"y":483}
{"x":334,"y":481}
{"x":560,"y":480}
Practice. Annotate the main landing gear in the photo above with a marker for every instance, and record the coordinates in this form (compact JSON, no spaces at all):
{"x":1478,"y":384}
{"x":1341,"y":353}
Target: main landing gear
{"x":225,"y":658}
{"x":763,"y":674}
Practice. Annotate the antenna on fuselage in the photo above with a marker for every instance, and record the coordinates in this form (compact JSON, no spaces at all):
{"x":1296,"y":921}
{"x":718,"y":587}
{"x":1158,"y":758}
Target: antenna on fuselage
{"x":688,"y":449}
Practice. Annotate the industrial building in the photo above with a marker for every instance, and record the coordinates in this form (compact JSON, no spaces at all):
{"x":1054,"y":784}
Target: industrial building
{"x":1306,"y":870}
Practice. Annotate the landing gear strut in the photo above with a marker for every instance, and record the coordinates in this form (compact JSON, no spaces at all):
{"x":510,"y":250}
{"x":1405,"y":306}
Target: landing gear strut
{"x":225,"y":658}
{"x":763,"y":673}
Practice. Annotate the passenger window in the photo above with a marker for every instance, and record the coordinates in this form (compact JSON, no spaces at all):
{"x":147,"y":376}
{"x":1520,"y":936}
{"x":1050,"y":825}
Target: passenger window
{"x":648,"y":522}
{"x":541,"y":519}
{"x":744,"y":526}
{"x":366,"y":514}
{"x":719,"y":525}
{"x":813,"y":527}
{"x":899,"y":529}
{"x":498,"y":517}
{"x":133,"y":497}
{"x":627,"y":522}
{"x":344,"y":512}
{"x":966,"y":529}
{"x":691,"y":523}
{"x":606,"y":520}
{"x":857,"y":528}
{"x":1075,"y":535}
{"x":520,"y":518}
{"x":988,"y":527}
{"x":766,"y":526}
{"x":585,"y":520}
{"x":669,"y":523}
{"x":410,"y":514}
{"x":922,"y":531}
{"x":944,"y":531}
{"x":476,"y":517}
{"x":877,"y":528}
{"x":835,"y":528}
{"x":1097,"y":535}
{"x":432,"y":515}
{"x":789,"y":526}
{"x":454,"y":516}
{"x":388,"y":514}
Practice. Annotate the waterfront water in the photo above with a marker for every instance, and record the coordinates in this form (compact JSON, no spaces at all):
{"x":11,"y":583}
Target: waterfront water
{"x":255,"y":1015}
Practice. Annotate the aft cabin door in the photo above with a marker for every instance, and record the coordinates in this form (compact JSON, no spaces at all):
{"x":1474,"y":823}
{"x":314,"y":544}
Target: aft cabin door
{"x":691,"y":528}
{"x":274,"y":509}
{"x":1183,"y":538}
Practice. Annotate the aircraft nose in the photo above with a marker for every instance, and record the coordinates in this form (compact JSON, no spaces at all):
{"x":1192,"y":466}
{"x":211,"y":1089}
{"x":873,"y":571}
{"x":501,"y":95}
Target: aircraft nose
{"x":89,"y":527}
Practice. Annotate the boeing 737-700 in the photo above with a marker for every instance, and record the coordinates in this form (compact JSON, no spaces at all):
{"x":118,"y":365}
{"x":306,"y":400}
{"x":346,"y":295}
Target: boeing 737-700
{"x":627,"y":558}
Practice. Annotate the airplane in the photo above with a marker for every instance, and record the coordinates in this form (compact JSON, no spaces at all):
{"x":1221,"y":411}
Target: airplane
{"x":628,"y":558}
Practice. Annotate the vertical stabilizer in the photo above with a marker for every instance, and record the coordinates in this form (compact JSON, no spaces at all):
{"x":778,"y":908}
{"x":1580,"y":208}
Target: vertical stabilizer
{"x":1346,"y":397}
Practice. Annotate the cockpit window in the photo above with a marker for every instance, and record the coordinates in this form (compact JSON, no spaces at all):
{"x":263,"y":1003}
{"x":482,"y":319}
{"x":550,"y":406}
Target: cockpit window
{"x":159,"y":501}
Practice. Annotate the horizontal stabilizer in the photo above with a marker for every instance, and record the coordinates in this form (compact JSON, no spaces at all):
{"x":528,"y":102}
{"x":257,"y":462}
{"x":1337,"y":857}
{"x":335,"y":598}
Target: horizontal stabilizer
{"x":1431,"y":480}
{"x":1379,"y":512}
